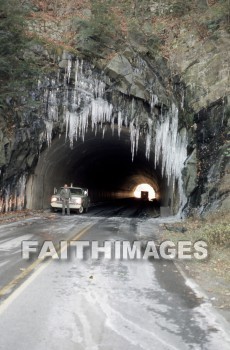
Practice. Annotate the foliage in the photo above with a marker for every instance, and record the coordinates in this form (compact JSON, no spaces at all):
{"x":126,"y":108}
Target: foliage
{"x":216,"y":234}
{"x":113,"y":23}
{"x":14,"y":67}
{"x":213,"y":228}
{"x":218,"y":15}
{"x":179,"y":7}
{"x":101,"y":32}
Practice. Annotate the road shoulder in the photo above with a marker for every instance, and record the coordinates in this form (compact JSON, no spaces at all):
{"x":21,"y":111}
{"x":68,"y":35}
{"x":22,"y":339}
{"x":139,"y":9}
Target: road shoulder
{"x":212,"y":275}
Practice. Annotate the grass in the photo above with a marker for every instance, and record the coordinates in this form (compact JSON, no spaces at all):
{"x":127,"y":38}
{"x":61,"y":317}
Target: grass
{"x":213,"y":273}
{"x":214,"y":228}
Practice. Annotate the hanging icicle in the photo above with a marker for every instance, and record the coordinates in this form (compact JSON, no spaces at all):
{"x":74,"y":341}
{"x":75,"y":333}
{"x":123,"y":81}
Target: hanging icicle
{"x":171,"y":148}
{"x":149,"y":138}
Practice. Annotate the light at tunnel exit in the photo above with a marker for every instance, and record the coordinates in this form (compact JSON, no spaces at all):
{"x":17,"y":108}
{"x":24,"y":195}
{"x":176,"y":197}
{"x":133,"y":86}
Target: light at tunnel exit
{"x":144,"y":188}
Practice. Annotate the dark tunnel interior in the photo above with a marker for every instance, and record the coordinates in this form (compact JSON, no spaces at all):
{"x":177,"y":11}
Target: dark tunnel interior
{"x":103,"y":165}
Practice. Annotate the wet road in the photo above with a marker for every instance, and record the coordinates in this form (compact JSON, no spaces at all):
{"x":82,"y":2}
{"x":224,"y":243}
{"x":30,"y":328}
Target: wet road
{"x":95,"y":304}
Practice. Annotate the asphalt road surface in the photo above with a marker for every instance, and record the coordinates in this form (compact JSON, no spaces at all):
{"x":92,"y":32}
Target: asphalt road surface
{"x":98,"y":304}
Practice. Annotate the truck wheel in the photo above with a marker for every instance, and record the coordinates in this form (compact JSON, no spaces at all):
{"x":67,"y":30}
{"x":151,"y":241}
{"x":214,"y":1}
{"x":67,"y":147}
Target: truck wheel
{"x":80,"y":210}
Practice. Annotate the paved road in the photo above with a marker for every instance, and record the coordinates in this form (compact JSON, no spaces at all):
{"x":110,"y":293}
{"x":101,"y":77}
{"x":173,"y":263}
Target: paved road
{"x":98,"y":304}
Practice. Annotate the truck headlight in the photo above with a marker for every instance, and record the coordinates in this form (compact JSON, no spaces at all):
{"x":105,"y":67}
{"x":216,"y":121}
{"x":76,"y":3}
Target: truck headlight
{"x":78,"y":200}
{"x":54,"y":199}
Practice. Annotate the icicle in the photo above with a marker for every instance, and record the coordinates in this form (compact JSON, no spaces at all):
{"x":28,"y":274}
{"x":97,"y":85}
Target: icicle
{"x":134,"y":136}
{"x":84,"y":120}
{"x":49,"y":129}
{"x":171,"y":148}
{"x":112,"y":125}
{"x":21,"y":186}
{"x":103,"y":131}
{"x":99,"y":88}
{"x":77,"y":124}
{"x":119,"y":123}
{"x":149,"y":138}
{"x":76,"y":72}
{"x":75,"y":82}
{"x":101,"y":111}
{"x":72,"y":127}
{"x":81,"y":68}
{"x":66,"y":118}
{"x":132,"y":108}
{"x":132,"y":131}
{"x":137,"y":134}
{"x":153,"y":102}
{"x":52,"y":106}
{"x":69,"y":67}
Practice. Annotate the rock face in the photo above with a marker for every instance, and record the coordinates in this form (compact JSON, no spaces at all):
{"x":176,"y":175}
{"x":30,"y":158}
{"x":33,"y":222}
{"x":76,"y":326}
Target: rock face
{"x":212,"y":138}
{"x":203,"y":67}
{"x":136,"y":90}
{"x":190,"y":173}
{"x":133,"y":76}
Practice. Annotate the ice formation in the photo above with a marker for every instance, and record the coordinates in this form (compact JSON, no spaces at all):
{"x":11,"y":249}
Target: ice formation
{"x":171,"y":149}
{"x":79,"y":99}
{"x":149,"y":138}
{"x":49,"y":129}
{"x":20,"y":197}
{"x":84,"y":105}
{"x":14,"y":199}
{"x":134,"y":136}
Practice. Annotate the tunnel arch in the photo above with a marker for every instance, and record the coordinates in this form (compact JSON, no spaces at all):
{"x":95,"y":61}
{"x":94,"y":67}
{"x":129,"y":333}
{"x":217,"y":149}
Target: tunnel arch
{"x":102,"y":163}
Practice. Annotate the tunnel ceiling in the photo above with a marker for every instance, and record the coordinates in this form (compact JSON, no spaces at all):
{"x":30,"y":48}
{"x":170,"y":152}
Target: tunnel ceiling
{"x":100,"y":164}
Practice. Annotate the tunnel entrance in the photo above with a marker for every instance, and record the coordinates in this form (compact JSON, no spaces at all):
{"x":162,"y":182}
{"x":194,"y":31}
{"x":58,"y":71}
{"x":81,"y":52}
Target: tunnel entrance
{"x":102,"y":163}
{"x":121,"y":132}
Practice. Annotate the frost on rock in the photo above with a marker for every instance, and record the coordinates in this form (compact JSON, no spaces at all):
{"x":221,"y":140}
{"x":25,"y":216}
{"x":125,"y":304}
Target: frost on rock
{"x":101,"y":112}
{"x":13,"y":197}
{"x":78,"y":97}
{"x":8,"y":202}
{"x":21,"y":187}
{"x":49,"y":129}
{"x":52,"y":106}
{"x":96,"y":113}
{"x":171,"y":149}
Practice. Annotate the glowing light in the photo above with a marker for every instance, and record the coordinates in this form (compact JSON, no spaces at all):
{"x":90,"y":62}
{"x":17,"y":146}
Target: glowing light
{"x":145,"y":188}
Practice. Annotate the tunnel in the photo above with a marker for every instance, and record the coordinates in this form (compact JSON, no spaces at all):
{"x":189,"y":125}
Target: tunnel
{"x":101,"y":163}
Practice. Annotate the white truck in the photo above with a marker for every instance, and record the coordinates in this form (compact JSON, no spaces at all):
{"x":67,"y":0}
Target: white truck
{"x":79,"y":202}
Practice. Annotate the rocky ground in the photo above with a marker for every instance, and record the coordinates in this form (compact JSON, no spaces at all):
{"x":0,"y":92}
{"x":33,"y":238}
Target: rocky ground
{"x":15,"y":216}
